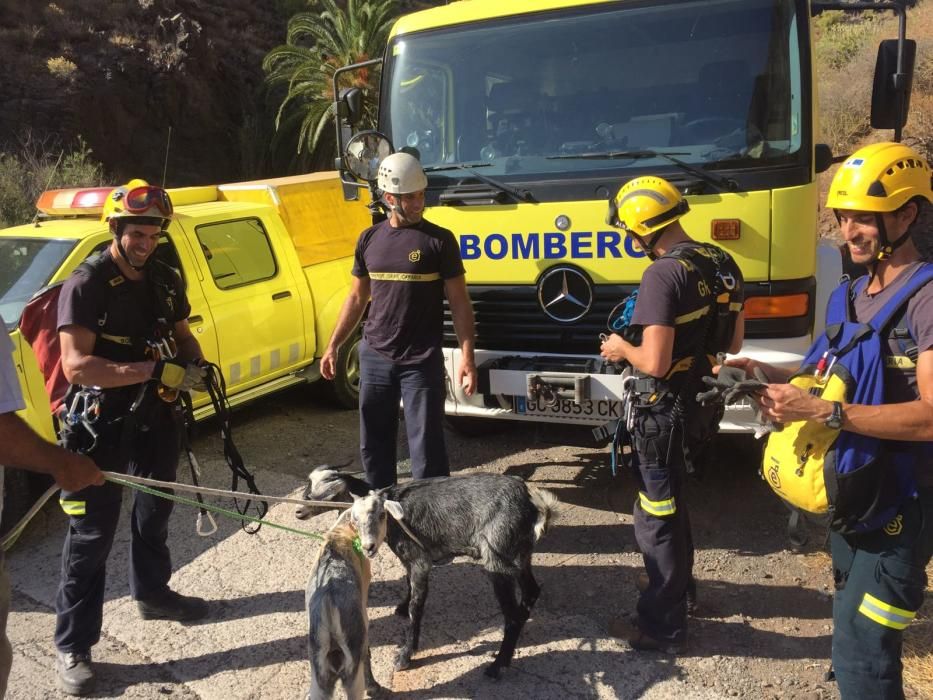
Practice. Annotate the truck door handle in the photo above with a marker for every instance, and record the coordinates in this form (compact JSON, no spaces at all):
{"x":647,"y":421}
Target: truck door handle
{"x":281,"y":295}
{"x":195,"y":320}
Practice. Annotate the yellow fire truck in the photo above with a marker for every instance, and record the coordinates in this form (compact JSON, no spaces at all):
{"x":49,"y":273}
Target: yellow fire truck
{"x":529,"y":114}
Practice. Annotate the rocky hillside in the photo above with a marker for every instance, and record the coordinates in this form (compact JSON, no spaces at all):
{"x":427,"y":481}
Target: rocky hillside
{"x":119,"y":73}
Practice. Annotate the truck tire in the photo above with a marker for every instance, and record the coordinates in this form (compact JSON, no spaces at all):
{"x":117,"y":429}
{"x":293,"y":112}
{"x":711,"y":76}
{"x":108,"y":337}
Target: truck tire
{"x":345,"y":389}
{"x":20,"y":490}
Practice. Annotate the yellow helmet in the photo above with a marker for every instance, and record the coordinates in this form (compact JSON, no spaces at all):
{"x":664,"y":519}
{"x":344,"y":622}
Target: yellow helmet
{"x":139,"y":200}
{"x":646,"y":204}
{"x":880,"y":178}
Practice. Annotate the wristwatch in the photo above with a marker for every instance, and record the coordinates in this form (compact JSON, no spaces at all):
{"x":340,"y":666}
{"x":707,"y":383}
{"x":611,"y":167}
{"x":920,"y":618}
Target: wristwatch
{"x":835,"y":418}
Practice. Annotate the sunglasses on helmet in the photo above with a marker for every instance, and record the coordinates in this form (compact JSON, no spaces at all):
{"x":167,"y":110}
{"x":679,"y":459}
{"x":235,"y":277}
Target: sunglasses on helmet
{"x":140,"y":200}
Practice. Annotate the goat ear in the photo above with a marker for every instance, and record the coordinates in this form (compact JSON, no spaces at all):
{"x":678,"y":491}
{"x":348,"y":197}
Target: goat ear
{"x":394,"y":508}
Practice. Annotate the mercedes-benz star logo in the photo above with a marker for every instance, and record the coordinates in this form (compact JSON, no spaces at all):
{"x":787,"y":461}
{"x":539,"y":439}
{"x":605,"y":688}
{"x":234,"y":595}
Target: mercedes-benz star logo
{"x":565,"y":294}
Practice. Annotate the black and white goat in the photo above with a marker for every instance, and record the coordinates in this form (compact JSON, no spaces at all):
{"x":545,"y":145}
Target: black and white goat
{"x":336,"y":599}
{"x":491,"y":518}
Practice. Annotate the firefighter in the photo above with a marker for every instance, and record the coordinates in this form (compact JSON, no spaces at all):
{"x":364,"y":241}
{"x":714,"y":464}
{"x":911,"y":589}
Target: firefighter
{"x":127,"y":351}
{"x":882,"y":197}
{"x":688,"y":309}
{"x":404,"y":267}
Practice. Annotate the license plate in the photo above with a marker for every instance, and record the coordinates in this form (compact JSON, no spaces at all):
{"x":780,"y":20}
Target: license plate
{"x":587,"y":410}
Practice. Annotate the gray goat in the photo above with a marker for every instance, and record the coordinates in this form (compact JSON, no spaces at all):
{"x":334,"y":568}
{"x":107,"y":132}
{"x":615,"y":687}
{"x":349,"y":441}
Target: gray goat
{"x":336,"y":599}
{"x":491,"y":518}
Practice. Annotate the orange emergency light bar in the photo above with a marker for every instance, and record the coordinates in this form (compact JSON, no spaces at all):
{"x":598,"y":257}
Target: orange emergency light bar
{"x":75,"y":201}
{"x":784,"y":306}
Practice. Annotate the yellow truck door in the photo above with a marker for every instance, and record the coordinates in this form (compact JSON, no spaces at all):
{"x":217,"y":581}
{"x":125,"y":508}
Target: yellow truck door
{"x":201,"y":319}
{"x":253,"y":295}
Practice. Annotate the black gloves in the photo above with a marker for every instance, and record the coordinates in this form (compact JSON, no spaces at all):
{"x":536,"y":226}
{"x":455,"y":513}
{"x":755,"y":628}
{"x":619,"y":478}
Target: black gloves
{"x":731,"y":385}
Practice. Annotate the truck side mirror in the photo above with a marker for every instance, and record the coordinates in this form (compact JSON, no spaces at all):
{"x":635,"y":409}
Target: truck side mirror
{"x":890,"y":96}
{"x":350,"y":105}
{"x":364,"y":152}
{"x":822,"y":157}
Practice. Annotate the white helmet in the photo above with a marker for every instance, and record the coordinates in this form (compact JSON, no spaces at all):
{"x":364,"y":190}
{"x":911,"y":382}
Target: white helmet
{"x":401,"y":173}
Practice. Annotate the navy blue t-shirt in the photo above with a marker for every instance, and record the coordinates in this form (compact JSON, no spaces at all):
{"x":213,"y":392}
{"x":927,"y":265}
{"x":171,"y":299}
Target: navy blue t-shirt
{"x":672,"y":294}
{"x":406,"y":268}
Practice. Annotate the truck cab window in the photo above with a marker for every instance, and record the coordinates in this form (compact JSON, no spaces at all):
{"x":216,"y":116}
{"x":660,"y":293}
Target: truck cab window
{"x":237,"y":252}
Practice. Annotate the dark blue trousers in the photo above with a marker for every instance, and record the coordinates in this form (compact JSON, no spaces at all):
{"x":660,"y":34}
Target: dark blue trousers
{"x":662,"y":525}
{"x":422,"y":390}
{"x":880,"y":582}
{"x":94,"y":513}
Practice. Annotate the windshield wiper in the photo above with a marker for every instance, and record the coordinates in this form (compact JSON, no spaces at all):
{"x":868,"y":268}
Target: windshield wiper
{"x":456,"y":166}
{"x":519,"y":194}
{"x":723,"y":183}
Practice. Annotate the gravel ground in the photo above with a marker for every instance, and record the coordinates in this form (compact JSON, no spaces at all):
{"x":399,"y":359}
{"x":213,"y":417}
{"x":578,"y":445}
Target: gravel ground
{"x":762,"y":629}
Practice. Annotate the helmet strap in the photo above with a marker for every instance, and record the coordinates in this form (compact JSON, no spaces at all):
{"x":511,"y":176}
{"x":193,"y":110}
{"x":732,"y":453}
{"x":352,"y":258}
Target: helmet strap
{"x":649,"y":244}
{"x":887,"y":246}
{"x":118,"y":235}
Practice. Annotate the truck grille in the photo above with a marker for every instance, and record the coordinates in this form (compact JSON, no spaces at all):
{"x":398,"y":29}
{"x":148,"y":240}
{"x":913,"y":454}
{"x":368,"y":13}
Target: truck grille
{"x":511,"y":319}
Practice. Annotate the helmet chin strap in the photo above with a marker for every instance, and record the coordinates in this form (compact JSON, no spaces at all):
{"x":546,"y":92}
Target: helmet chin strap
{"x":649,"y":244}
{"x":887,"y":246}
{"x":118,"y":235}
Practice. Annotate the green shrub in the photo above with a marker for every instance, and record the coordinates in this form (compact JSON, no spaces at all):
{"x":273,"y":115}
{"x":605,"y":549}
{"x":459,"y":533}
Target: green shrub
{"x":36,"y":167}
{"x":840,"y":37}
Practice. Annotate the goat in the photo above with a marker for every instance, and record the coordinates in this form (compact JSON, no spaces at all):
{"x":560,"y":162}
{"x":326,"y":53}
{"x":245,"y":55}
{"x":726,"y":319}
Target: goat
{"x":491,"y":518}
{"x":336,"y":599}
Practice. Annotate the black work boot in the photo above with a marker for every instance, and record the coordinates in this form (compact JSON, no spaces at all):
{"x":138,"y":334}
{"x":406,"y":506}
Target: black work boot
{"x":642,"y":582}
{"x":172,"y":606}
{"x":75,"y":675}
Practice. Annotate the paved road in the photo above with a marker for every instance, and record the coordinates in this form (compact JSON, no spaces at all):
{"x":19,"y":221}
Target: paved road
{"x":765,"y":633}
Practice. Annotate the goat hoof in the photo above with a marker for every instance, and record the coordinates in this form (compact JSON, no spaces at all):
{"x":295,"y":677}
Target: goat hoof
{"x":402,"y":661}
{"x":492,"y":671}
{"x":376,"y":691}
{"x":402,"y":610}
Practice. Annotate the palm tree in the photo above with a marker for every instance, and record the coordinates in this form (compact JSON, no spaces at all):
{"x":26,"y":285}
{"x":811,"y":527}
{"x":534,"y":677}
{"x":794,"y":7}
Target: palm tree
{"x":317,"y":44}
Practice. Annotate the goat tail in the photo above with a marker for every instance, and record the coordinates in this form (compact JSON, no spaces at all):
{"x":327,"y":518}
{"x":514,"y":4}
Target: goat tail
{"x":546,"y":504}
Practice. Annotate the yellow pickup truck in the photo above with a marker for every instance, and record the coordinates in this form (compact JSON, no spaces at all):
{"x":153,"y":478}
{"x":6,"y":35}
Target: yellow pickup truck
{"x":267,"y":266}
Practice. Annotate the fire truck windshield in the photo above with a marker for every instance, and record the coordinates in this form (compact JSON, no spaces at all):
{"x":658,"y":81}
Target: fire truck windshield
{"x":719,"y":83}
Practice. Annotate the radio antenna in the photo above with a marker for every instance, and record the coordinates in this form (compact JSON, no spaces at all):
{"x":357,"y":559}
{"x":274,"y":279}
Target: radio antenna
{"x":61,"y":154}
{"x":168,"y":145}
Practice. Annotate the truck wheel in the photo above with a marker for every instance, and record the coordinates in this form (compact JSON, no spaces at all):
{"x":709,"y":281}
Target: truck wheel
{"x":345,"y":388}
{"x":20,"y":490}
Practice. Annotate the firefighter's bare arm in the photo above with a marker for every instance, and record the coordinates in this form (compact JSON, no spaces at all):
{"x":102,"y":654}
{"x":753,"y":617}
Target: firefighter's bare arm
{"x":22,"y":448}
{"x":910,"y":421}
{"x":350,"y":314}
{"x":461,"y":312}
{"x":81,"y":366}
{"x":652,"y":357}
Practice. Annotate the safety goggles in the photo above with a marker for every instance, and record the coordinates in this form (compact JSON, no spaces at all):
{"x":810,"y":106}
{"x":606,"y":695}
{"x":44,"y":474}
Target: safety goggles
{"x":141,"y":200}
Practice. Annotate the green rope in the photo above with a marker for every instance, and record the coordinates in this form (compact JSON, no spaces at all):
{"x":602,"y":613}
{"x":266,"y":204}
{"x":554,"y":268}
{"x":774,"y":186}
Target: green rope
{"x":214,"y":509}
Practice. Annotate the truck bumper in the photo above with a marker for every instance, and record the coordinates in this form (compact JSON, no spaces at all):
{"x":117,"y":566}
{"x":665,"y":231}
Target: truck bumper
{"x":587,"y":391}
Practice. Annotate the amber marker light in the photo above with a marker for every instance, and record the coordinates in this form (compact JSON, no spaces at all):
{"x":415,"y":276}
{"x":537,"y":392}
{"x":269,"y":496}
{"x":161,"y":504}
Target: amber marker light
{"x":784,"y":306}
{"x":726,"y":229}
